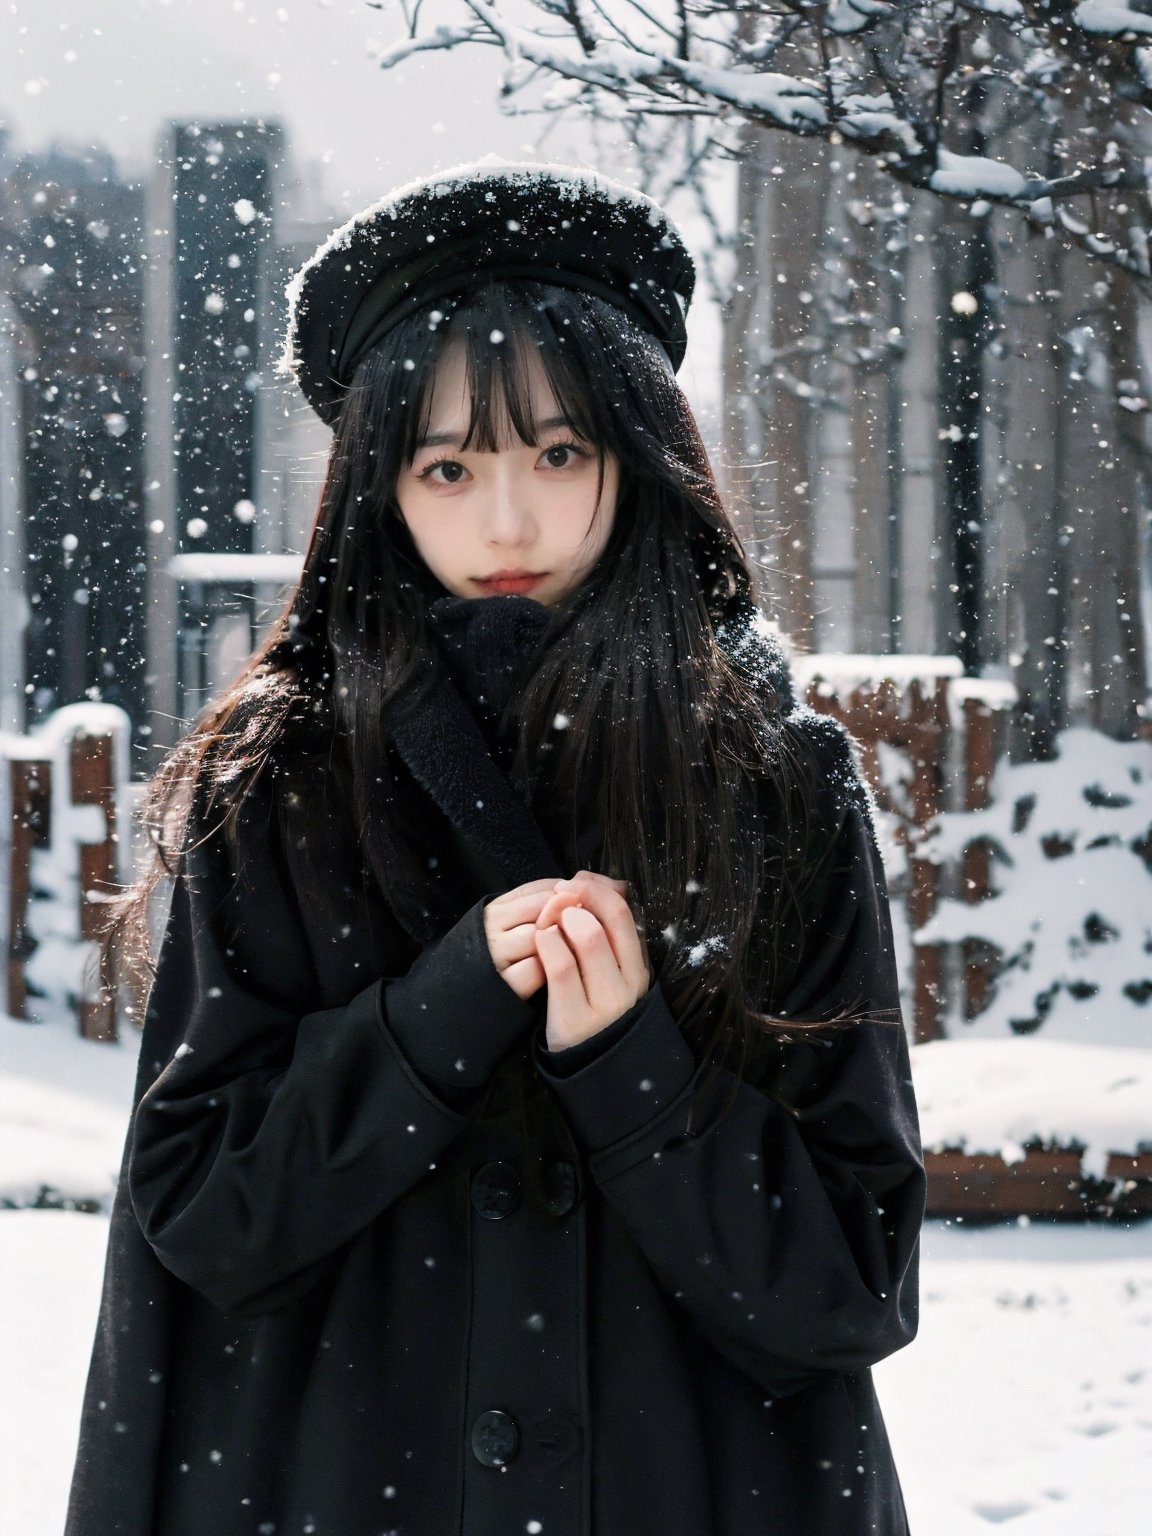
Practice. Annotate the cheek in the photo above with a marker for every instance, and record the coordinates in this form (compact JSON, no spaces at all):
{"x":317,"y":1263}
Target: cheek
{"x":424,"y":527}
{"x":575,"y":513}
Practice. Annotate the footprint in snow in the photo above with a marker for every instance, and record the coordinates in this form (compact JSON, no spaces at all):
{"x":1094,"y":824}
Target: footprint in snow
{"x":997,"y":1514}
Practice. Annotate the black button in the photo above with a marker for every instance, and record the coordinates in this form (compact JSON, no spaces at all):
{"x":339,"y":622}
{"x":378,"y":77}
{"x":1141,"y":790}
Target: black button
{"x":496,"y":1190}
{"x":560,"y":1188}
{"x":495,"y":1438}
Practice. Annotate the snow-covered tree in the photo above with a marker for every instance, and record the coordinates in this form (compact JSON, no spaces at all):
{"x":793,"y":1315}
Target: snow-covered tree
{"x":904,"y":83}
{"x":945,"y":442}
{"x":939,"y":430}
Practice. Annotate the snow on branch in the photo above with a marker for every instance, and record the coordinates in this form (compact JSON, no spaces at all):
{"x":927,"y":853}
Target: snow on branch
{"x":440,"y":39}
{"x":1108,"y":19}
{"x":1039,"y":105}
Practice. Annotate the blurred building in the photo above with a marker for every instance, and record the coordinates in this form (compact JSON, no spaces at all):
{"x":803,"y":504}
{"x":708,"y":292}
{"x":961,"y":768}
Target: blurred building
{"x":71,"y":455}
{"x":211,"y":214}
{"x":232,"y":457}
{"x":157,"y":482}
{"x":13,"y":603}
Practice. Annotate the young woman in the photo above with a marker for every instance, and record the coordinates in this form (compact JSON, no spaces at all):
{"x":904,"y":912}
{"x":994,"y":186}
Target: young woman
{"x":524,"y":1139}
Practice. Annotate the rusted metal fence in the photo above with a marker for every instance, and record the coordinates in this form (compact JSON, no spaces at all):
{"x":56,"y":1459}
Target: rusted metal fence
{"x":948,"y":732}
{"x":68,"y":793}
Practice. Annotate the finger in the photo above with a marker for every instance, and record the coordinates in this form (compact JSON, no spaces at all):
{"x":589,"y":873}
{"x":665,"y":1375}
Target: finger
{"x":572,"y":893}
{"x":525,"y":977}
{"x":552,"y":908}
{"x":605,"y":986}
{"x":503,"y":916}
{"x":588,"y":880}
{"x":616,"y":918}
{"x":581,"y":884}
{"x":567,"y":1001}
{"x":518,"y":906}
{"x":513,"y":944}
{"x":591,"y":874}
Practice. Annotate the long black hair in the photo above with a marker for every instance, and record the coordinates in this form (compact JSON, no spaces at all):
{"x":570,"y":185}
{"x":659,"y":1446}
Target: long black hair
{"x":702,"y":791}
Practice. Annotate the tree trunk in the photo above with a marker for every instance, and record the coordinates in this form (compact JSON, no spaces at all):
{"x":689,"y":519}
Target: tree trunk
{"x":1115,"y":501}
{"x":1030,"y":579}
{"x":875,"y":404}
{"x":769,"y":424}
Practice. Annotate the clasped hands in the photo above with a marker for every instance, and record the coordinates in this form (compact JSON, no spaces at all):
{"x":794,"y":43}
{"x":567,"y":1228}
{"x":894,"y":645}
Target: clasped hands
{"x":580,"y":939}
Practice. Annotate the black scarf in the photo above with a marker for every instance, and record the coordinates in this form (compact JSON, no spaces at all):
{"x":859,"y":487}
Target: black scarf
{"x":451,"y":741}
{"x":486,"y":644}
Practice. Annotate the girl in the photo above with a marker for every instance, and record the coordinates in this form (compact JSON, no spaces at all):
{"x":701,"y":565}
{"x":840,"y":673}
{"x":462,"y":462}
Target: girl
{"x":524,"y":1139}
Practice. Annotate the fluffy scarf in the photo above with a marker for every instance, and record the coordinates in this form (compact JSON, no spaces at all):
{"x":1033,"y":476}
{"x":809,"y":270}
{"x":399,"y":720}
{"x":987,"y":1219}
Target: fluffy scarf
{"x":450,"y":741}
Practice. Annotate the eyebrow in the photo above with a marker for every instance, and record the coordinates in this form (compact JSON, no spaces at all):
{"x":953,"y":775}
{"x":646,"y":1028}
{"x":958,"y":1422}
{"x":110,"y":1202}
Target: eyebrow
{"x":454,"y":440}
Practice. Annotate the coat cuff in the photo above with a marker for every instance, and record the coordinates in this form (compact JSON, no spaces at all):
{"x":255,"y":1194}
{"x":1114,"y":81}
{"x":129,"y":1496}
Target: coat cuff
{"x":570,"y":1058}
{"x":453,"y":1015}
{"x":630,"y":1083}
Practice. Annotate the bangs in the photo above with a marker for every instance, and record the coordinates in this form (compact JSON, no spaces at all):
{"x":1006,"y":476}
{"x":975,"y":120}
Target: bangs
{"x":502,"y":331}
{"x":609,"y":381}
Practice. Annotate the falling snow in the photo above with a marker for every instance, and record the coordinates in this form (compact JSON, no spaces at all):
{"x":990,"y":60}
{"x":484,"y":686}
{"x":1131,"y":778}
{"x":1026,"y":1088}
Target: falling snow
{"x":930,"y":404}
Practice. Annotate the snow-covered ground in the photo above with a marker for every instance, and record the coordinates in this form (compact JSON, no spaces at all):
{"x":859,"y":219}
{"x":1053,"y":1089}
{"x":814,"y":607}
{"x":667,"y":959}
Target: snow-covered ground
{"x":64,"y":1105}
{"x":1000,"y":1095}
{"x":1026,"y":1401}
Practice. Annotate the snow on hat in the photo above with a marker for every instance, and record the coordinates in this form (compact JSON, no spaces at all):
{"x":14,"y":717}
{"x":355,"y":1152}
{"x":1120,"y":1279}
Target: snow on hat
{"x":497,"y":219}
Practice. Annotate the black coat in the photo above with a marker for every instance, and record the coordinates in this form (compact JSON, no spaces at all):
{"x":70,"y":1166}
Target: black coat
{"x":329,"y":1305}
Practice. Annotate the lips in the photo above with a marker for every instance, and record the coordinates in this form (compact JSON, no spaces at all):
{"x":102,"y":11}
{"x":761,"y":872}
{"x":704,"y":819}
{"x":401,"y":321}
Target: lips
{"x":522,"y":581}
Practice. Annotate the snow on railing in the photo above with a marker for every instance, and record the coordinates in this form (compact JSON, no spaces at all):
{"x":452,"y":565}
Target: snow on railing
{"x":923,"y":729}
{"x":67,"y":794}
{"x":1032,"y":987}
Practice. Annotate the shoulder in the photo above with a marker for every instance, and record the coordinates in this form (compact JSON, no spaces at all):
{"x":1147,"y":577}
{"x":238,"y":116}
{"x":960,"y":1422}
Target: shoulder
{"x":815,"y":746}
{"x":831,"y":759}
{"x":758,"y":653}
{"x":810,"y":758}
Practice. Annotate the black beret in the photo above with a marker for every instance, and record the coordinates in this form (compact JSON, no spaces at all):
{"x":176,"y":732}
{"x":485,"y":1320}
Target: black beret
{"x":498,"y":219}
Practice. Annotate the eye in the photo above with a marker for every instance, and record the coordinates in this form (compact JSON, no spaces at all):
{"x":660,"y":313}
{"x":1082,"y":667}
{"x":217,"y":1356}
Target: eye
{"x":562,"y":455}
{"x":444,"y":472}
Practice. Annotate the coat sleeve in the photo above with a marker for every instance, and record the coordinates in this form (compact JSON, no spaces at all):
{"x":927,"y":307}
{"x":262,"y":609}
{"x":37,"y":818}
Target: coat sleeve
{"x":783,"y":1213}
{"x":273,"y":1130}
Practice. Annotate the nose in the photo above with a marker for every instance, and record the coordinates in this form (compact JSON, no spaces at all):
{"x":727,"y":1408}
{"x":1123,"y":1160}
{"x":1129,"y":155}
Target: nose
{"x":510,"y":521}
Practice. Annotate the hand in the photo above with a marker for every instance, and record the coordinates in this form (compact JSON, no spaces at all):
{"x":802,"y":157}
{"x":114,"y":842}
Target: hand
{"x":510,"y":928}
{"x":594,"y":958}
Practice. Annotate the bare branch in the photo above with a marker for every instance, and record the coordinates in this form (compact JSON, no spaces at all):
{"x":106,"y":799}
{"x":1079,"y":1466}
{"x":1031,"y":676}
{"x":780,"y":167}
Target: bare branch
{"x":895,"y":79}
{"x":438,"y":41}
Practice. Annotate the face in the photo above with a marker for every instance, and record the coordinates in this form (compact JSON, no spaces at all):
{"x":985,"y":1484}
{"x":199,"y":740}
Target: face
{"x":525,"y":509}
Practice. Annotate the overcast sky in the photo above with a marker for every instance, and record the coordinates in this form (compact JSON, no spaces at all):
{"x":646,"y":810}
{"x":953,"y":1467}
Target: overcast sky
{"x":113,"y":69}
{"x":110,"y":71}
